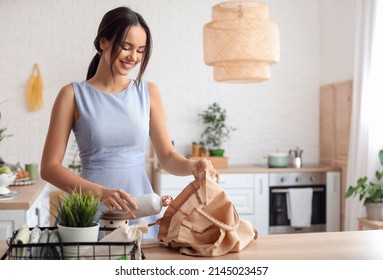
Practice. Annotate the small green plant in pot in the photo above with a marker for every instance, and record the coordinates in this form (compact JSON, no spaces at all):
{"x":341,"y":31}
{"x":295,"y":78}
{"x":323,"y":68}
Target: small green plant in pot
{"x":217,"y":131}
{"x":3,"y":129}
{"x":370,"y":192}
{"x":78,"y":209}
{"x":76,"y":219}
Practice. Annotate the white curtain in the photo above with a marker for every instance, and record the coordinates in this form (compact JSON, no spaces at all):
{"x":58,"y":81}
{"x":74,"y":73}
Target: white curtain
{"x":366,"y":137}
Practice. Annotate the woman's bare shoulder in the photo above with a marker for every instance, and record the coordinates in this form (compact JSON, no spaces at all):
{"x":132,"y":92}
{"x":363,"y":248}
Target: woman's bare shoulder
{"x":153,"y":90}
{"x":67,"y":89}
{"x":65,"y":96}
{"x":66,"y":92}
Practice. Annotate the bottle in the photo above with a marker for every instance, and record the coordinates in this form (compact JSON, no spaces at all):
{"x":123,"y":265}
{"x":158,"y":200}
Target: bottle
{"x":150,"y":204}
{"x":204,"y":152}
{"x":196,"y":149}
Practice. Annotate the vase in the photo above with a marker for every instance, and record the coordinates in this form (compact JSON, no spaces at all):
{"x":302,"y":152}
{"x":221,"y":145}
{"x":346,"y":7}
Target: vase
{"x":77,"y":235}
{"x":374,"y":211}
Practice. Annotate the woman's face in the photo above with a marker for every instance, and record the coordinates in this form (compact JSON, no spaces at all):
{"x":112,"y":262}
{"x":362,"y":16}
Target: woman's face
{"x":131,"y":51}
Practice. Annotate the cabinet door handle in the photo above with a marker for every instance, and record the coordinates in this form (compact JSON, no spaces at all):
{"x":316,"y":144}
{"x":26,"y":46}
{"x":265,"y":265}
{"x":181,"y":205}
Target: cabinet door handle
{"x":38,"y":217}
{"x":261,"y":188}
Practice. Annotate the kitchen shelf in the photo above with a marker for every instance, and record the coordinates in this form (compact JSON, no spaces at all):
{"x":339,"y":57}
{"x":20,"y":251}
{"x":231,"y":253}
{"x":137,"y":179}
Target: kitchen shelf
{"x":369,"y":224}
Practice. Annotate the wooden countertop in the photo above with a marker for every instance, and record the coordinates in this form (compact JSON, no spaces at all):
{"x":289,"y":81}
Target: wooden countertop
{"x":25,"y":197}
{"x":264,"y":169}
{"x":347,"y":245}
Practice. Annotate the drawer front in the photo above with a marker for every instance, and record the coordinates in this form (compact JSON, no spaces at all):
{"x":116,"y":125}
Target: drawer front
{"x":243,"y":199}
{"x":238,"y":181}
{"x":175,"y":182}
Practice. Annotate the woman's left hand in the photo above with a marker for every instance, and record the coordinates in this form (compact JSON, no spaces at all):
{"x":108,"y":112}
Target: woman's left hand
{"x":204,"y":164}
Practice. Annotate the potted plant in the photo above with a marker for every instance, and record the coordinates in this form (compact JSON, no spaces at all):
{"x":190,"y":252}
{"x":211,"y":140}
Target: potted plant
{"x":3,"y":135}
{"x":3,"y":130}
{"x":76,"y":219}
{"x":217,"y":131}
{"x":371,"y":192}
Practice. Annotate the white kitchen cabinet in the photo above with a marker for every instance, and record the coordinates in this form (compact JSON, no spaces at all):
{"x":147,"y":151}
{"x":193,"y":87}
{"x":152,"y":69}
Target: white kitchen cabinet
{"x":36,"y":215}
{"x":333,"y":190}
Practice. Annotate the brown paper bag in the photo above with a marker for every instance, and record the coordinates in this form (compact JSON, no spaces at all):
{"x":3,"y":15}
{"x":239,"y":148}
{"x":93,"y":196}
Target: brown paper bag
{"x":202,"y":221}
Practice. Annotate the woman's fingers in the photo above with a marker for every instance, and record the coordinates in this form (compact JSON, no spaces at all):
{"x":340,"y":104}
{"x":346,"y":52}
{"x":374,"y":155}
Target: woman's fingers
{"x":205,"y":164}
{"x":121,"y":200}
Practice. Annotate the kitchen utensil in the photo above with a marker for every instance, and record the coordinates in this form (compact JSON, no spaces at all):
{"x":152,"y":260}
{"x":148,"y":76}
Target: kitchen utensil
{"x":278,"y":160}
{"x":295,"y":162}
{"x":295,"y":158}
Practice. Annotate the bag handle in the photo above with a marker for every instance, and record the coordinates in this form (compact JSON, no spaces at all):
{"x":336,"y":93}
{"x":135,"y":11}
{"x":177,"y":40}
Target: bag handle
{"x":36,"y":70}
{"x":219,"y":223}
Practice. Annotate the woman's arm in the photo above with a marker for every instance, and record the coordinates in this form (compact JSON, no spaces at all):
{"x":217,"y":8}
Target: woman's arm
{"x":170,"y":160}
{"x":62,"y":119}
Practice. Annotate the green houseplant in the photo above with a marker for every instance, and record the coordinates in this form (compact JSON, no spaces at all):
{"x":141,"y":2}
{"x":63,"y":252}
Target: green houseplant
{"x":3,"y":134}
{"x":217,"y":131}
{"x":3,"y":130}
{"x":76,"y":219}
{"x":370,"y":192}
{"x":78,"y":209}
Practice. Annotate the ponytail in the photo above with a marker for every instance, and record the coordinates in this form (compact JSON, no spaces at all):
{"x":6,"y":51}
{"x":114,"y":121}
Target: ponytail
{"x":93,"y":66}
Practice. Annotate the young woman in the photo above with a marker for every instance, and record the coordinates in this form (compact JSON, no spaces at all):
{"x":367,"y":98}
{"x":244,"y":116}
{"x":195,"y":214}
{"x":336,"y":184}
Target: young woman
{"x":112,"y":116}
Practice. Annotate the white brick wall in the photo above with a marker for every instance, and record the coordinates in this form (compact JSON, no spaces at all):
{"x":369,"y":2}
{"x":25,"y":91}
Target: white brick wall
{"x":281,"y":113}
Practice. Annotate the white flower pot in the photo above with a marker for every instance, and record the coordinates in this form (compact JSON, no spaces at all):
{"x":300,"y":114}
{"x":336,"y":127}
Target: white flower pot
{"x":73,"y":234}
{"x":374,"y":211}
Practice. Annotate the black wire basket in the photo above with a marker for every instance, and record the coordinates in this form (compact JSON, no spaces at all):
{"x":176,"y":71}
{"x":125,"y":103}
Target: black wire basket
{"x":73,"y":250}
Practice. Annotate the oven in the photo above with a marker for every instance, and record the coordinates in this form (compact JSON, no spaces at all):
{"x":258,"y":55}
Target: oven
{"x":280,"y":183}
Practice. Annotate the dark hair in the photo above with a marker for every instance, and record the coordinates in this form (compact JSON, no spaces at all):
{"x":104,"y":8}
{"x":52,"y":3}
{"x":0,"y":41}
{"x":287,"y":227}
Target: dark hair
{"x":112,"y":27}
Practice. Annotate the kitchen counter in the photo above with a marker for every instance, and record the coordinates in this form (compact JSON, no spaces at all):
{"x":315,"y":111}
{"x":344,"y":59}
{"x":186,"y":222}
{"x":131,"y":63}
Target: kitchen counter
{"x":348,"y":245}
{"x":264,"y":169}
{"x":25,"y":198}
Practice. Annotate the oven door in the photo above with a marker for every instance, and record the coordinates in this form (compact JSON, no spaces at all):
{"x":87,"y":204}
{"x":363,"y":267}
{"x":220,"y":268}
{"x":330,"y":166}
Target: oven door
{"x":279,"y":223}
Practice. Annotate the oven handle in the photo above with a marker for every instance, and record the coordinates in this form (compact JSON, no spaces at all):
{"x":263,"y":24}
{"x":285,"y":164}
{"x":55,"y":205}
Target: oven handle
{"x":286,"y":190}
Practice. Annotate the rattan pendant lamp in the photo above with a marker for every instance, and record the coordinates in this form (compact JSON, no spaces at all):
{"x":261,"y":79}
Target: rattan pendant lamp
{"x":241,"y":42}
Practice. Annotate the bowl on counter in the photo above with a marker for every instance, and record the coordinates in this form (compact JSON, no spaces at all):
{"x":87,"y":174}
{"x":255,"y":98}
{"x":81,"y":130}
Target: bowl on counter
{"x":6,"y":179}
{"x":278,"y":160}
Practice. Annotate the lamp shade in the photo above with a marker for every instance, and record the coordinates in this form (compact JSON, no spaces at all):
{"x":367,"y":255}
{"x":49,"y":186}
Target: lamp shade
{"x":240,"y":42}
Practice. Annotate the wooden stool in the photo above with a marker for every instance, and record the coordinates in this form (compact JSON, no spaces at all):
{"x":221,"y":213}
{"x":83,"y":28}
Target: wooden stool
{"x":370,"y":224}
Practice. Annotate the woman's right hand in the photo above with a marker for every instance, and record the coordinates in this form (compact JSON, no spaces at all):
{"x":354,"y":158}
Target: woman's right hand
{"x":119,"y":199}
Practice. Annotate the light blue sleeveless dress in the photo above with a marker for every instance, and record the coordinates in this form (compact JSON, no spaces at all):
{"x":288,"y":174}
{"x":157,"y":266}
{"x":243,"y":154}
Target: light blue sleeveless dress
{"x":112,"y":133}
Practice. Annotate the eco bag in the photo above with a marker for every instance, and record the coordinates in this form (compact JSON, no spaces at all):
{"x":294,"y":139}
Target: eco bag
{"x":202,"y":221}
{"x":35,"y":98}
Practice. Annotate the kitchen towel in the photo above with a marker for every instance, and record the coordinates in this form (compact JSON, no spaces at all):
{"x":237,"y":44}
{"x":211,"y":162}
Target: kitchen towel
{"x":22,"y":237}
{"x":299,"y":201}
{"x":35,"y":237}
